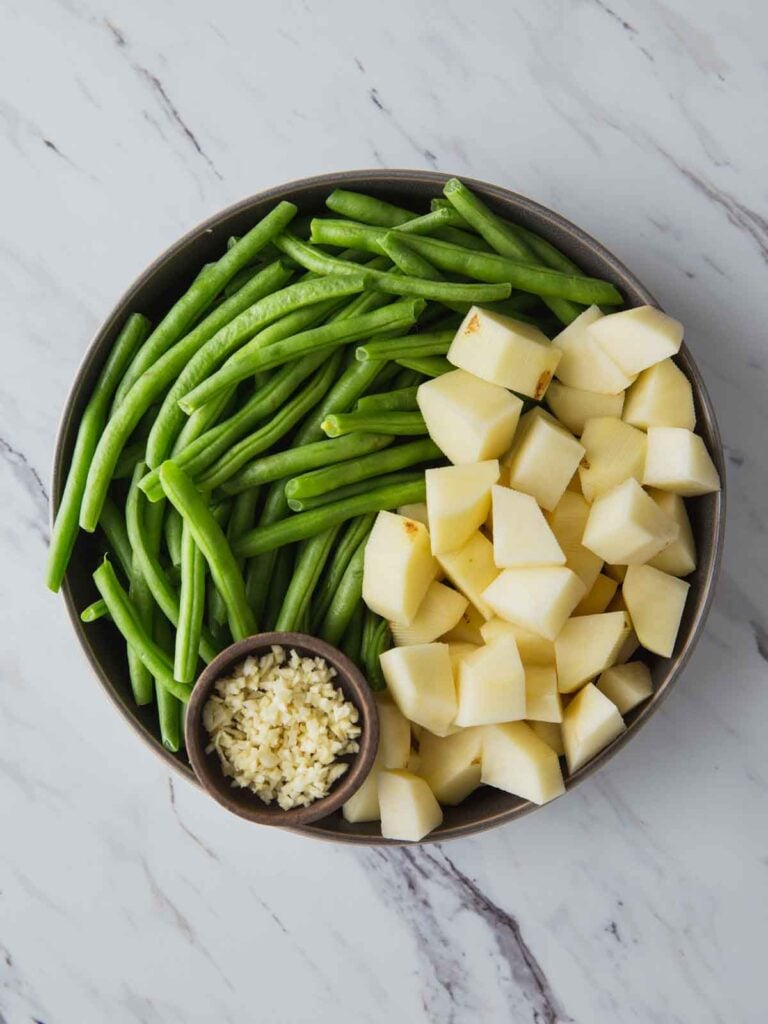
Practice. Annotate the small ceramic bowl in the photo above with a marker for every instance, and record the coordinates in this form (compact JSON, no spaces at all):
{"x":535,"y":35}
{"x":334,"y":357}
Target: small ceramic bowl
{"x":242,"y":801}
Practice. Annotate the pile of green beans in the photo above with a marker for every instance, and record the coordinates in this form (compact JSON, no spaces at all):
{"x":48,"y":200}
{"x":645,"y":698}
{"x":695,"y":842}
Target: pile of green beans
{"x":232,"y":459}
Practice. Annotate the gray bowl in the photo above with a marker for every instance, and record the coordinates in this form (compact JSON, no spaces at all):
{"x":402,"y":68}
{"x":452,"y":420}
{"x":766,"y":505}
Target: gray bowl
{"x":165,"y":279}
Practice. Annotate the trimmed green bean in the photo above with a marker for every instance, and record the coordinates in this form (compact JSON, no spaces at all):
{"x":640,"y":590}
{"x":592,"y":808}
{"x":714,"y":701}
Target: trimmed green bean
{"x":356,"y":379}
{"x":112,"y":523}
{"x":259,"y":570}
{"x":209,"y":537}
{"x":307,"y":524}
{"x":407,"y":346}
{"x":352,"y":490}
{"x":309,"y":566}
{"x":142,"y":682}
{"x":408,"y":260}
{"x":191,"y":607}
{"x":355,"y":534}
{"x":169,"y":708}
{"x":351,"y":642}
{"x":91,"y":426}
{"x":298,"y":460}
{"x":430,"y":366}
{"x":203,"y":419}
{"x":95,"y":611}
{"x":203,"y":290}
{"x":398,"y":423}
{"x":124,"y":616}
{"x":172,"y":528}
{"x":400,"y":456}
{"x":348,"y":598}
{"x":377,"y":638}
{"x":129,"y":456}
{"x":279,"y":582}
{"x":399,"y":400}
{"x":368,"y":209}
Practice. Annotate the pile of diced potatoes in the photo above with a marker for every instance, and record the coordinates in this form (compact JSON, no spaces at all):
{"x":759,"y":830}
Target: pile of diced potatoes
{"x":547,"y":553}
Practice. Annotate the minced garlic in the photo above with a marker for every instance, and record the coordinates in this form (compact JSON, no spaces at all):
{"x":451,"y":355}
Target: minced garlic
{"x":279,"y":726}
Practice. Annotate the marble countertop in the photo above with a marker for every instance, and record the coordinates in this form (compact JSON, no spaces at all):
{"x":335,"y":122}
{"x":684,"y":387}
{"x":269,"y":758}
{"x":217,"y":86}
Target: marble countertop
{"x":125,"y":895}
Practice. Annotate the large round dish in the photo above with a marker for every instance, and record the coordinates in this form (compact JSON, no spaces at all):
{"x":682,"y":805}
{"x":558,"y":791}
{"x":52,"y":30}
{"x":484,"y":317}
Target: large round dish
{"x":165,"y":279}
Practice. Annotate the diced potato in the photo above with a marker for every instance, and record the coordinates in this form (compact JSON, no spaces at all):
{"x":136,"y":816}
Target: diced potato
{"x":440,"y":610}
{"x":467,"y":629}
{"x":504,"y":351}
{"x":627,"y":527}
{"x":491,"y":685}
{"x":542,"y":459}
{"x":551,"y":733}
{"x":655,"y":601}
{"x":584,"y":364}
{"x":599,"y":597}
{"x":398,"y":567}
{"x":363,"y":805}
{"x":420,"y":680}
{"x":637,"y":338}
{"x":417,"y":511}
{"x":626,"y":685}
{"x":469,"y":419}
{"x":471,"y":568}
{"x":516,"y":760}
{"x":616,"y":572}
{"x":409,"y":810}
{"x":661,"y":396}
{"x":590,"y":722}
{"x":567,"y":522}
{"x":457,"y":650}
{"x":532,"y":648}
{"x":521,"y":534}
{"x":587,"y":645}
{"x":543,"y":702}
{"x":538,"y":599}
{"x":679,"y":558}
{"x":613,"y":451}
{"x":451,"y":765}
{"x":458,"y":501}
{"x":574,"y":406}
{"x":394,"y":735}
{"x":677,"y":460}
{"x":629,"y":646}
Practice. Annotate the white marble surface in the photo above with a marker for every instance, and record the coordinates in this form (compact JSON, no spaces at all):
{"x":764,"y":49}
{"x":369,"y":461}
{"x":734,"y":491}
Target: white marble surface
{"x":125,"y":896}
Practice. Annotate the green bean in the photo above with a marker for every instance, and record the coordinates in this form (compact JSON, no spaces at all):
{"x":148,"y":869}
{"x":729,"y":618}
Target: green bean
{"x":91,"y":426}
{"x":112,"y":523}
{"x":205,"y":287}
{"x":169,"y":708}
{"x":430,"y":366}
{"x":172,"y":527}
{"x":307,"y":524}
{"x":352,"y":490}
{"x":320,"y":481}
{"x":398,"y":423}
{"x":356,"y":379}
{"x":298,"y":460}
{"x":216,"y":610}
{"x":376,"y":639}
{"x":241,"y":278}
{"x":309,"y":566}
{"x":487,"y":267}
{"x":368,"y":209}
{"x":247,"y":449}
{"x":279,"y":582}
{"x":129,"y":456}
{"x":405,"y":379}
{"x":407,"y":346}
{"x":191,"y":607}
{"x":348,"y":598}
{"x":203,"y":419}
{"x":351,"y":642}
{"x":242,"y":518}
{"x":142,"y":683}
{"x":256,"y":357}
{"x":356,"y":533}
{"x":408,"y":260}
{"x":124,"y":616}
{"x":399,"y":400}
{"x":151,"y":384}
{"x":210,"y":538}
{"x":259,"y":570}
{"x":95,"y":611}
{"x":441,"y":291}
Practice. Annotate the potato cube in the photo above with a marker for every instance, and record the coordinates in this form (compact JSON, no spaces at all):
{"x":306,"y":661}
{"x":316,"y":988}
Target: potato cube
{"x":655,"y":602}
{"x":626,"y":685}
{"x":574,"y":406}
{"x":439,"y":612}
{"x":451,"y":765}
{"x":590,"y":722}
{"x":616,"y":572}
{"x":420,"y":680}
{"x":543,"y":702}
{"x":567,"y":521}
{"x":458,"y":501}
{"x":677,"y":460}
{"x":587,"y":645}
{"x":398,"y":567}
{"x":661,"y":396}
{"x":679,"y":558}
{"x":584,"y":364}
{"x":458,"y":650}
{"x":599,"y":597}
{"x":521,"y":534}
{"x":394,"y":735}
{"x":627,"y":527}
{"x":543,"y":458}
{"x":504,"y":351}
{"x":467,"y":629}
{"x":551,"y":733}
{"x":538,"y":599}
{"x":409,"y":810}
{"x":471,"y":568}
{"x":516,"y":760}
{"x":491,"y":685}
{"x":613,"y":451}
{"x":468,"y":418}
{"x":532,"y":648}
{"x":417,"y":511}
{"x":637,"y":338}
{"x":363,"y":805}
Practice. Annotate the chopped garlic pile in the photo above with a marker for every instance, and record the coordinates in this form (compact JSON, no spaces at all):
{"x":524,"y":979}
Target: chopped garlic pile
{"x":279,"y":725}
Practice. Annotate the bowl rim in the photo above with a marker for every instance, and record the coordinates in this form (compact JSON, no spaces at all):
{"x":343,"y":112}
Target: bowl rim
{"x":384,"y":178}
